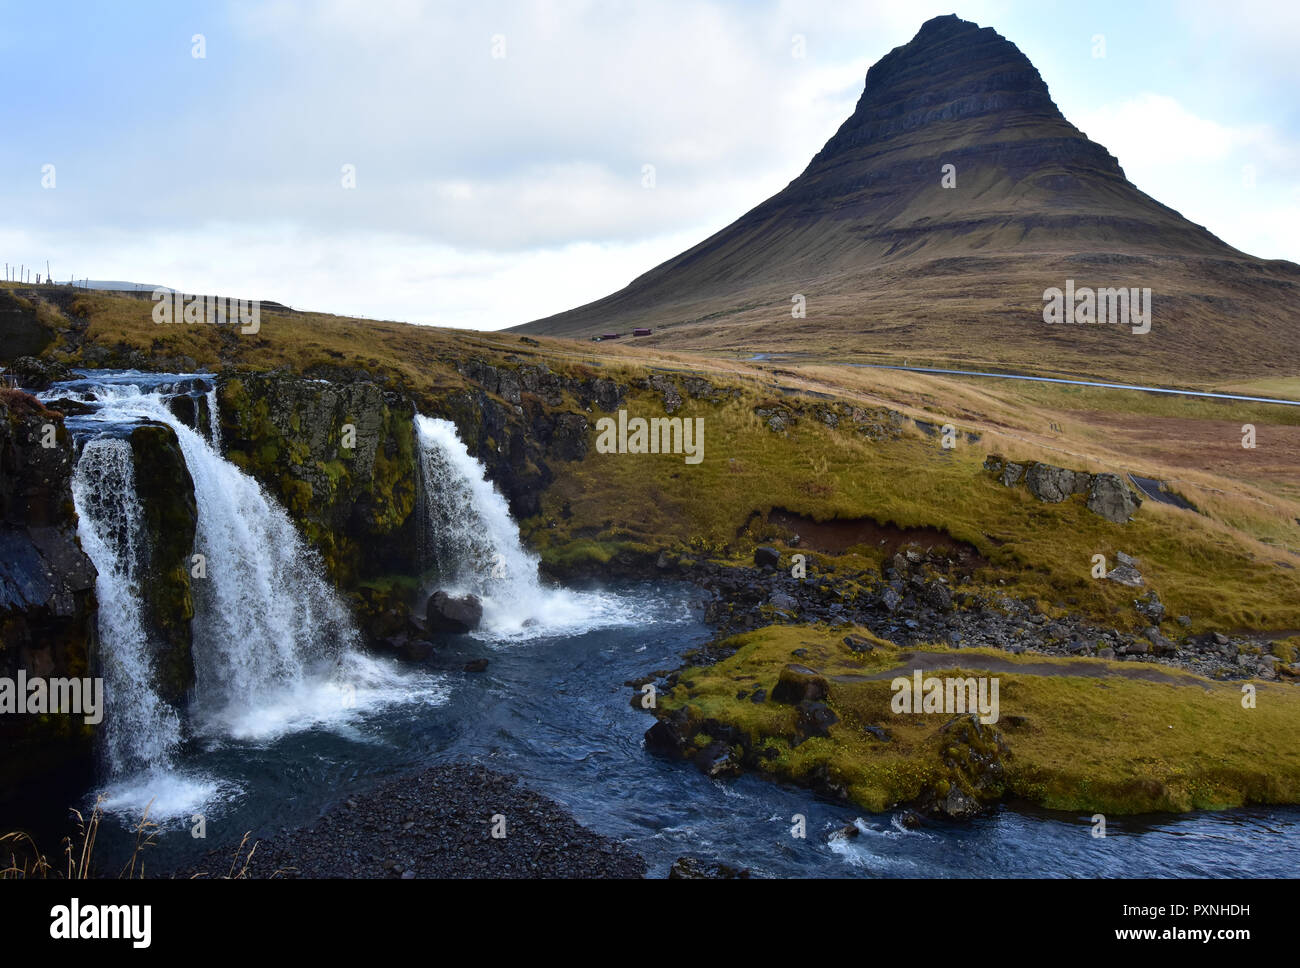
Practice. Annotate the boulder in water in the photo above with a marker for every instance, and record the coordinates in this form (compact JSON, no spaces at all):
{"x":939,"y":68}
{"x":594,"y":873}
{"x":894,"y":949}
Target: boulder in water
{"x":446,"y":613}
{"x":694,"y":869}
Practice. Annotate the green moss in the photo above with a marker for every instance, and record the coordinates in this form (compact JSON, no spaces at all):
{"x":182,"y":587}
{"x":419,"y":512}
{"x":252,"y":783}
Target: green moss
{"x":1080,"y":742}
{"x":297,"y":496}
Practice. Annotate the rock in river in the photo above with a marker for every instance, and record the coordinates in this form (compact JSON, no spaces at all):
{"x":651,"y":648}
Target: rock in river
{"x":445,"y":613}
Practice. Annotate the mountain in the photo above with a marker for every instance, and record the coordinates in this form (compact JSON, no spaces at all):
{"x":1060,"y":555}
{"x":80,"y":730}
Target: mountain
{"x":893,"y":264}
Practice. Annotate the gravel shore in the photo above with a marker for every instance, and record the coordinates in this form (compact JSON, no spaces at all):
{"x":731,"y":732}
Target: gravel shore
{"x":438,"y":823}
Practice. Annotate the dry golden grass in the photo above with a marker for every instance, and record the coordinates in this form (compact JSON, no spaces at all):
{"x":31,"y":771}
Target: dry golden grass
{"x":1231,"y":566}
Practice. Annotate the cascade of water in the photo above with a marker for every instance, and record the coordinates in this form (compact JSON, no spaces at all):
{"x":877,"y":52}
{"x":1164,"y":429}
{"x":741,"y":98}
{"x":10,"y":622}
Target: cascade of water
{"x":469,"y":535}
{"x":473,"y":544}
{"x":214,"y":421}
{"x":140,"y":730}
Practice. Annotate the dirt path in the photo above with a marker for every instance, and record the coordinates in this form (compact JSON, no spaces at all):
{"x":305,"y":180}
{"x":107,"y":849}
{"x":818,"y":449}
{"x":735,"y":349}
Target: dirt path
{"x":930,"y":661}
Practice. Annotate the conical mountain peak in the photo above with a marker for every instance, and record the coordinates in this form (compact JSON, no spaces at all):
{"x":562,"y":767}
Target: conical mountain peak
{"x":932,"y":222}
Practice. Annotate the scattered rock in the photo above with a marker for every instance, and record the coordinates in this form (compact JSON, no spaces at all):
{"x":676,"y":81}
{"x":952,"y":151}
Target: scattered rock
{"x":1150,"y":607}
{"x":816,"y":718}
{"x":694,"y":869}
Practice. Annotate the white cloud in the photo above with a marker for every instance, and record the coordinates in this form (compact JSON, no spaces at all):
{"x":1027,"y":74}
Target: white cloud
{"x":493,"y":191}
{"x":1235,"y":179}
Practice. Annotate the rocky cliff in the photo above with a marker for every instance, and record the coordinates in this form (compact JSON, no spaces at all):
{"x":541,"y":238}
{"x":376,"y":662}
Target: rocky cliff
{"x":47,"y":589}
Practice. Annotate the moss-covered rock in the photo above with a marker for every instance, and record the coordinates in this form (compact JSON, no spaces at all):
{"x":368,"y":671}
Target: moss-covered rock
{"x":169,"y":517}
{"x":341,"y":457}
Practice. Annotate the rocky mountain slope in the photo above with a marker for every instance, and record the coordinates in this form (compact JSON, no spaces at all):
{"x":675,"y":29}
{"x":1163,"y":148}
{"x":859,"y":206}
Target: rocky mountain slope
{"x":930,"y":226}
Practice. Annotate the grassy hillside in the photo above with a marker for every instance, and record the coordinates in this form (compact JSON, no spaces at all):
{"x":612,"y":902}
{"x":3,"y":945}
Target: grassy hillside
{"x":1232,"y":566}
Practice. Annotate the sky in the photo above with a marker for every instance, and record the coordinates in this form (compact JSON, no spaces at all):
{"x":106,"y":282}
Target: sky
{"x":483,"y":164}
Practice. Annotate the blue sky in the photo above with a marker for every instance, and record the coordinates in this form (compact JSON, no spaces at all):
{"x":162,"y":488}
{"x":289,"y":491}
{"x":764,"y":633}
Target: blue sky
{"x":495,"y":189}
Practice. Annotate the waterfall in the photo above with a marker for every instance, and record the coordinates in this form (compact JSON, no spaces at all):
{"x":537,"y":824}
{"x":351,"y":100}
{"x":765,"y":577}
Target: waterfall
{"x":140,"y":730}
{"x":469,"y":533}
{"x":473,"y":545}
{"x":275,"y":649}
{"x":214,"y":420}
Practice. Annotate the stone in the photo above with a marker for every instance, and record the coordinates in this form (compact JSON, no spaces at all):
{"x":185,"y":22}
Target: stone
{"x":783,"y":602}
{"x":767,"y":557}
{"x":717,"y":760}
{"x":1011,"y":473}
{"x":815,"y":718}
{"x":857,"y":643}
{"x":1049,"y":483}
{"x":694,"y":869}
{"x":1111,"y":498}
{"x":446,"y":613}
{"x":664,"y":739}
{"x":797,"y":683}
{"x":1125,"y":575}
{"x":1159,"y":644}
{"x":1150,"y":607}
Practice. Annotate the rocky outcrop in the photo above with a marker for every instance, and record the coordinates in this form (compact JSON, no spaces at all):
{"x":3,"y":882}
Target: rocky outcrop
{"x":972,"y":755}
{"x":341,"y":457}
{"x":47,"y":589}
{"x":1112,"y":498}
{"x":169,"y":514}
{"x":1055,"y":484}
{"x":1107,"y":494}
{"x":32,"y":373}
{"x":873,"y":423}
